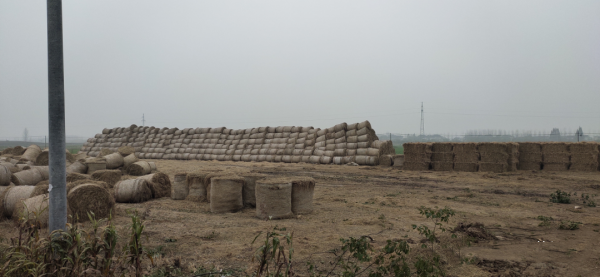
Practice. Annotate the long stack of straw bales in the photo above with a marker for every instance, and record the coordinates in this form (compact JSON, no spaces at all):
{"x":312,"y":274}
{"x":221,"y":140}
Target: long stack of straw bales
{"x":340,"y":144}
{"x":503,"y":157}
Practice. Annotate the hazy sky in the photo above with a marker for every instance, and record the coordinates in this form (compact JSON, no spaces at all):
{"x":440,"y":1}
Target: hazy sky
{"x":475,"y":64}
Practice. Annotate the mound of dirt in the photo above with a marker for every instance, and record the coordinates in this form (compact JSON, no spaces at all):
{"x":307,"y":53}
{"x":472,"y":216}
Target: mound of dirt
{"x":474,"y":230}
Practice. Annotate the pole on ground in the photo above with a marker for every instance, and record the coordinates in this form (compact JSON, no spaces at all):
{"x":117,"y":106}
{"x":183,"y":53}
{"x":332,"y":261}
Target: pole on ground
{"x":56,"y":118}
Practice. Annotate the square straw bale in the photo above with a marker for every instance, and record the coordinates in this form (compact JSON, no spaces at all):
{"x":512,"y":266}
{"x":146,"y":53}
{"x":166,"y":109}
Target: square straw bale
{"x":417,"y":166}
{"x":490,"y":147}
{"x":530,"y":157}
{"x":556,"y":157}
{"x":584,"y":167}
{"x":466,"y":157}
{"x":398,"y":160}
{"x":530,"y":166}
{"x":555,"y":166}
{"x":466,"y":167}
{"x":417,"y":157}
{"x":493,"y":167}
{"x":494,"y":157}
{"x":442,"y":157}
{"x":555,"y":147}
{"x":417,"y":147}
{"x":530,"y":147}
{"x":583,"y":147}
{"x":468,"y":147}
{"x":442,"y":147}
{"x":584,"y":158}
{"x":442,"y":166}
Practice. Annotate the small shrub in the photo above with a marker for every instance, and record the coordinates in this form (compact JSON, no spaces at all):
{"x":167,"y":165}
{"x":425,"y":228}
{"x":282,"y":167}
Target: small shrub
{"x":546,"y":220}
{"x":569,"y":225}
{"x":560,"y":197}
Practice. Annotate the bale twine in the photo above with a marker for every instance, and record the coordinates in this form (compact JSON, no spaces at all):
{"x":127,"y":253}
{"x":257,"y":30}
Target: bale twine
{"x":197,"y":186}
{"x":90,"y":198}
{"x":5,"y":175}
{"x":34,"y":209}
{"x":14,"y":195}
{"x":77,"y":167}
{"x":27,"y":177}
{"x":132,"y":191}
{"x":226,"y":194}
{"x":159,"y":184}
{"x":139,"y":168}
{"x":248,"y":191}
{"x":110,"y":177}
{"x":180,"y":188}
{"x":302,"y":195}
{"x":274,"y":198}
{"x":31,"y":153}
{"x":95,"y":165}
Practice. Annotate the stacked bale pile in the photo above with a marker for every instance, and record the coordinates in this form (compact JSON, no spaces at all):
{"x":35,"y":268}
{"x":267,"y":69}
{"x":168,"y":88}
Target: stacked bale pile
{"x":498,"y":157}
{"x":417,"y":156}
{"x":584,"y":156}
{"x":340,"y":144}
{"x":442,"y":156}
{"x":556,"y":156}
{"x":530,"y":156}
{"x":466,"y":157}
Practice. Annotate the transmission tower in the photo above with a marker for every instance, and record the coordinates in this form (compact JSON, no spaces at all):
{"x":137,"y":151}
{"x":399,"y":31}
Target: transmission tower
{"x":422,"y":121}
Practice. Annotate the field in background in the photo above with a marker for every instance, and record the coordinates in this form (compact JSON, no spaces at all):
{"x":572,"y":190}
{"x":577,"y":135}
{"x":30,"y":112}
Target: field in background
{"x":72,"y":147}
{"x":399,"y":149}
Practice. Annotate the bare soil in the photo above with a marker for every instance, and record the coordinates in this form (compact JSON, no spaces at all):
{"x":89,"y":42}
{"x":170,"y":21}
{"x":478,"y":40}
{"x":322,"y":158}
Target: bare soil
{"x":500,"y":211}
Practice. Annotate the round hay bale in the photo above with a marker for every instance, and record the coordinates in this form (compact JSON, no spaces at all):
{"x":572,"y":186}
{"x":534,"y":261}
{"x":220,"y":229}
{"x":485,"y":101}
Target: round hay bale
{"x":44,"y":170}
{"x":159,"y":184}
{"x":18,"y":151}
{"x":5,"y":175}
{"x":27,"y":177}
{"x":129,"y":160}
{"x":132,"y":191}
{"x":105,"y":152}
{"x":139,"y":168}
{"x":274,"y":198}
{"x":249,"y":191}
{"x":77,"y":167}
{"x":90,"y":198}
{"x":31,"y":153}
{"x":303,"y":189}
{"x":95,"y":165}
{"x":114,"y":160}
{"x":367,"y":160}
{"x":14,"y":195}
{"x":197,"y":187}
{"x":226,"y":194}
{"x":126,"y":150}
{"x":35,"y":209}
{"x":41,"y":187}
{"x":180,"y":188}
{"x":42,"y":158}
{"x":73,"y":176}
{"x":74,"y":184}
{"x":152,"y":166}
{"x":110,"y":177}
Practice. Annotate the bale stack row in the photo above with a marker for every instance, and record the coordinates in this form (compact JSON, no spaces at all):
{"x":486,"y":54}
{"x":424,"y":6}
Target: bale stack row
{"x":530,"y":156}
{"x":556,"y":156}
{"x":417,"y":156}
{"x":584,"y":156}
{"x":498,"y":157}
{"x":340,"y":144}
{"x":466,"y":157}
{"x":442,"y":156}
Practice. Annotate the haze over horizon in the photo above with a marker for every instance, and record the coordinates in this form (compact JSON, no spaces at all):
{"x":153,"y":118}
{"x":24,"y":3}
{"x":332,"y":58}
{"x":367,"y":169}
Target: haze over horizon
{"x":528,"y":65}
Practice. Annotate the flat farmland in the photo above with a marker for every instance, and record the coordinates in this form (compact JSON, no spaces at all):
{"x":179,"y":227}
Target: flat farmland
{"x":501,"y":211}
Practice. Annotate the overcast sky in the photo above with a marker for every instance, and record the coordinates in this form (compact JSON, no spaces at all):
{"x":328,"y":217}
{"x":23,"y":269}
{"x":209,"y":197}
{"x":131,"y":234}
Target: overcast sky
{"x":474,"y":64}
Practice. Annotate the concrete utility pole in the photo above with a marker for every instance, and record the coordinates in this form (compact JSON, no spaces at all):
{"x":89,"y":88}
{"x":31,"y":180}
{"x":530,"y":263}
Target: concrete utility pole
{"x":56,"y":118}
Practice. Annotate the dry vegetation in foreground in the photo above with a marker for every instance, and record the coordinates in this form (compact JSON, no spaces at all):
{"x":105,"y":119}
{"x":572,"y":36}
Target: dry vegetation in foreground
{"x":368,"y":221}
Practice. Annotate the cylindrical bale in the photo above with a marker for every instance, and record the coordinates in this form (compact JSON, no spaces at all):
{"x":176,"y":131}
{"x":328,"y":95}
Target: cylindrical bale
{"x":126,"y":150}
{"x":90,"y":198}
{"x":31,"y":153}
{"x":364,"y":124}
{"x":139,"y":168}
{"x":180,"y":188}
{"x":110,"y":177}
{"x":132,"y":191}
{"x":44,"y":170}
{"x":77,"y":167}
{"x":14,"y":195}
{"x":27,"y":177}
{"x":5,"y":175}
{"x":73,"y":176}
{"x":248,"y":192}
{"x":159,"y":184}
{"x":226,"y":194}
{"x":129,"y":160}
{"x":303,"y":189}
{"x":367,"y":160}
{"x":95,"y":165}
{"x":274,"y":198}
{"x":35,"y":209}
{"x":197,"y":187}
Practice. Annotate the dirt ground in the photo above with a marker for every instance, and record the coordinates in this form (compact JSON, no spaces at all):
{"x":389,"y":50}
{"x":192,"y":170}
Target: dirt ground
{"x":383,"y":202}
